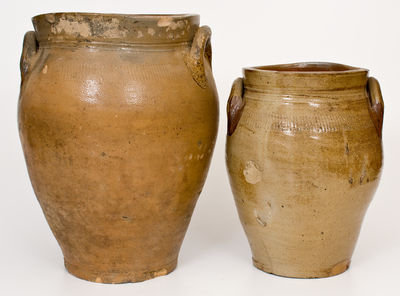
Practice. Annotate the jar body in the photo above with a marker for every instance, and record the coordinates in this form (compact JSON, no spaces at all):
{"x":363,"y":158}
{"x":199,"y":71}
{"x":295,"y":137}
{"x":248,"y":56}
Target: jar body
{"x":118,"y":141}
{"x":303,"y":165}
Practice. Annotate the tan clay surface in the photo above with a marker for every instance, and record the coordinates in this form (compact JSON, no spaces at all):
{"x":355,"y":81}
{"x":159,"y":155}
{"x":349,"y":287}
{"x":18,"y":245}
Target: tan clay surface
{"x":304,"y":157}
{"x":118,"y":117}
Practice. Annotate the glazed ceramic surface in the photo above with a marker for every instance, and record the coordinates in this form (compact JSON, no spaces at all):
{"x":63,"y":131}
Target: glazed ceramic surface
{"x":118,"y":117}
{"x":304,"y":157}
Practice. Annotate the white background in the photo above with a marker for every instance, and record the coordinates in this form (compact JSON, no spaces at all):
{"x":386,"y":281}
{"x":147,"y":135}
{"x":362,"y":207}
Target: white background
{"x":215,"y":257}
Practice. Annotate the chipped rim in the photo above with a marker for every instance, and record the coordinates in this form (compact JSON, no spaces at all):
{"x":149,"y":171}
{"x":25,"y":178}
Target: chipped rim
{"x":87,"y":27}
{"x":178,"y":16}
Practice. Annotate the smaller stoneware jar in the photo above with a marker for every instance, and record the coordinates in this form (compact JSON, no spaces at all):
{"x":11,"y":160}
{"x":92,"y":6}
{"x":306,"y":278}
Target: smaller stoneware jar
{"x":304,"y":157}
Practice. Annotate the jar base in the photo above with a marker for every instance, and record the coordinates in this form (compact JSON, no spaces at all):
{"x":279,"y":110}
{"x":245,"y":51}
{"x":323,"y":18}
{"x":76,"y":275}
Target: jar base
{"x":335,"y":270}
{"x":115,"y":277}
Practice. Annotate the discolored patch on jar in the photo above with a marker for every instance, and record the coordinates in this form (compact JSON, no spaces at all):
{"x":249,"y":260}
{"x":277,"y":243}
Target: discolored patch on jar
{"x":109,"y":29}
{"x":71,"y":27}
{"x":170,"y":25}
{"x":252,"y":173}
{"x":84,"y":27}
{"x":98,"y":280}
{"x":160,"y":272}
{"x":264,"y":214}
{"x":339,"y":268}
{"x":50,"y":18}
{"x":261,"y":221}
{"x":164,"y":21}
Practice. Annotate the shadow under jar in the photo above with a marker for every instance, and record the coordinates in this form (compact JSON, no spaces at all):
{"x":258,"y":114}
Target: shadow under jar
{"x":304,"y":157}
{"x":118,"y":116}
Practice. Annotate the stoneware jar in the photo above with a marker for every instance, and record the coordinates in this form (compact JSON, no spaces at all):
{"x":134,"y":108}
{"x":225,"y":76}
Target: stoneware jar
{"x":304,"y":157}
{"x":118,"y":117}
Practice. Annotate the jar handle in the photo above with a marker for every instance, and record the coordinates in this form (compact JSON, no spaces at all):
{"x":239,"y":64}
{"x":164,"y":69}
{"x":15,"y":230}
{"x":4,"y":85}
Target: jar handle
{"x":376,"y":105}
{"x":235,"y":105}
{"x":29,"y":51}
{"x":201,"y":48}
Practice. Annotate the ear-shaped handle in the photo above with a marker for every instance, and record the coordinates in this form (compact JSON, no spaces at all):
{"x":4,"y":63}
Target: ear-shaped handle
{"x":235,"y":105}
{"x":29,"y":51}
{"x":201,"y":49}
{"x":376,"y":105}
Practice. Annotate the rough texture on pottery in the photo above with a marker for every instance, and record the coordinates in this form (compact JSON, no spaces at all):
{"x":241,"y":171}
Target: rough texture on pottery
{"x":118,"y":117}
{"x":304,"y":157}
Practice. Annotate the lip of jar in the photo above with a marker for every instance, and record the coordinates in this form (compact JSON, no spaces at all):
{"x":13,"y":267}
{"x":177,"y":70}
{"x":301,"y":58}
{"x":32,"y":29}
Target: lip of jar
{"x":76,"y":27}
{"x":313,"y":75}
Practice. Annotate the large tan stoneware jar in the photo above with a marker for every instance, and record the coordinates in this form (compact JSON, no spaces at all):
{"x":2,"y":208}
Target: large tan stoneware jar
{"x":304,"y":156}
{"x":118,"y":117}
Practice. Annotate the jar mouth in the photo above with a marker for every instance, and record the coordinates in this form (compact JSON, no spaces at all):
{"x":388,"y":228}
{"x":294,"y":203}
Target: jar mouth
{"x":136,"y":16}
{"x":115,"y":28}
{"x":307,"y":68}
{"x":322,"y":76}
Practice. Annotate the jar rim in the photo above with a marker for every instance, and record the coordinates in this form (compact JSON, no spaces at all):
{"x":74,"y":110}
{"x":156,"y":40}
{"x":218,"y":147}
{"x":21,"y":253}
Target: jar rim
{"x":138,"y":15}
{"x":115,"y":28}
{"x":307,"y":68}
{"x":323,"y":76}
